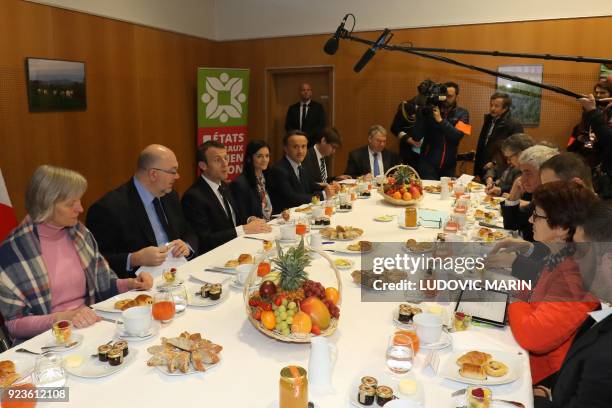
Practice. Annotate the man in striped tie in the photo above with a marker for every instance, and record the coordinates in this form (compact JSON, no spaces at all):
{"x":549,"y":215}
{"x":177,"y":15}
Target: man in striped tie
{"x":318,"y":158}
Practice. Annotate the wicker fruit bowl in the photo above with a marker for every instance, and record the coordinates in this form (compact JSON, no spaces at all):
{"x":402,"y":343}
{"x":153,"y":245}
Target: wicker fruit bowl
{"x":402,"y":187}
{"x":286,"y":305}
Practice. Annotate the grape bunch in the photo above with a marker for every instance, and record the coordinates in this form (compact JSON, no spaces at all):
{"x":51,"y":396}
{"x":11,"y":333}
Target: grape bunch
{"x":284,"y":316}
{"x":312,"y":288}
{"x":334,"y":310}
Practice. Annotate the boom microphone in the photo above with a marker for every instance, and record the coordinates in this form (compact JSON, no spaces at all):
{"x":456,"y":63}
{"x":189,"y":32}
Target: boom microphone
{"x":331,"y":46}
{"x":367,"y":56}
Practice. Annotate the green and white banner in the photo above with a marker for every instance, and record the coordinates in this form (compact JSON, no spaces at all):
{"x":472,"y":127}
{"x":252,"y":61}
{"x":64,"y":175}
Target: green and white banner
{"x":223,"y":107}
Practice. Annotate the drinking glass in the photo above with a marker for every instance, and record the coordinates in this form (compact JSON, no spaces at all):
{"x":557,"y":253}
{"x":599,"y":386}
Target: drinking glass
{"x":400,"y":353}
{"x":49,"y":371}
{"x":164,"y":308}
{"x":459,"y":190}
{"x":179,"y":296}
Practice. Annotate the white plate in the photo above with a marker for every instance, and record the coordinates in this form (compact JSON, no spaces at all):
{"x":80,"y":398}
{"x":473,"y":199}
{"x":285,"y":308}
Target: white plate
{"x":165,"y":285}
{"x":349,"y":266}
{"x":364,"y":197}
{"x":408,"y":228}
{"x":384,"y":218}
{"x":196,"y":300}
{"x":410,"y":251}
{"x":346,"y":251}
{"x":191,"y":370}
{"x":343,"y":210}
{"x":445,"y":341}
{"x":94,"y":368}
{"x":389,"y":379}
{"x":152,"y":332}
{"x":403,"y":325}
{"x":109,"y":304}
{"x":450,"y":369}
{"x":60,"y":347}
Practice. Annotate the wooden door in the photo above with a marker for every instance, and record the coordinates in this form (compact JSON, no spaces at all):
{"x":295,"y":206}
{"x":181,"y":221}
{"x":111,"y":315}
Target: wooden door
{"x":283,"y":89}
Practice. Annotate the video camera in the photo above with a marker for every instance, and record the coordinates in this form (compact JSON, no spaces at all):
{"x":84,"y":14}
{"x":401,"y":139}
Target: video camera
{"x":432,"y":94}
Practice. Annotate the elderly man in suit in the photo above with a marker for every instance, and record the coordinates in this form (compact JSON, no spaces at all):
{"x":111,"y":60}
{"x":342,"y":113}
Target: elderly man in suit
{"x":291,"y":184}
{"x":209,"y":205}
{"x":133,"y":223}
{"x":306,"y":115}
{"x":318,"y":157}
{"x":373,"y":159}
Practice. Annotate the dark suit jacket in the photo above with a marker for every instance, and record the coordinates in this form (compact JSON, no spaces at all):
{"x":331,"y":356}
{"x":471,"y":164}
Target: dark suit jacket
{"x":285,"y":189}
{"x":314,"y":167}
{"x":120,"y":224}
{"x":359,"y":161}
{"x":517,"y":219}
{"x":314,"y":121}
{"x":207,"y":217}
{"x":246,"y":196}
{"x":585,"y":378}
{"x":504,"y":127}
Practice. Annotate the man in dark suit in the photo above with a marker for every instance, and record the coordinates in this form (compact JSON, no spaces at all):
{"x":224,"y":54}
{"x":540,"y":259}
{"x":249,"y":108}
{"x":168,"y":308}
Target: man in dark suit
{"x":290,"y":183}
{"x":498,"y":126}
{"x":306,"y":115}
{"x":372,"y":160}
{"x":209,"y":205}
{"x":132,"y":223}
{"x":585,"y":378}
{"x":318,"y":157}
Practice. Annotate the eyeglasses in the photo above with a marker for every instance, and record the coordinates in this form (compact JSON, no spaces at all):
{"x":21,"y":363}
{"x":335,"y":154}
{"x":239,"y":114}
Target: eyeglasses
{"x":535,"y":216}
{"x":174,"y":172}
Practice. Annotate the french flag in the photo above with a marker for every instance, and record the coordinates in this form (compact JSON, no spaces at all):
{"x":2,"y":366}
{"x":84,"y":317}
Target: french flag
{"x":8,"y":220}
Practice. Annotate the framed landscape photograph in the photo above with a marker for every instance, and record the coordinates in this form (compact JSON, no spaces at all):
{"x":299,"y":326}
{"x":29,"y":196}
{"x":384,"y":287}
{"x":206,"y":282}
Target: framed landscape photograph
{"x":55,"y":85}
{"x":526,"y":99}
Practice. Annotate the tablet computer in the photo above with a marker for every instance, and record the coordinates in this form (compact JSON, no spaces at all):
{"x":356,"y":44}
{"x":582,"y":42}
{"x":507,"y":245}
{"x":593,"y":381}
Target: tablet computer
{"x":486,"y":306}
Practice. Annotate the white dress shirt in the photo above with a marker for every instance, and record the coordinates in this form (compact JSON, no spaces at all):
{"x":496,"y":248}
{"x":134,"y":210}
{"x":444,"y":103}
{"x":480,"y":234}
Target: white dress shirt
{"x":379,"y":159}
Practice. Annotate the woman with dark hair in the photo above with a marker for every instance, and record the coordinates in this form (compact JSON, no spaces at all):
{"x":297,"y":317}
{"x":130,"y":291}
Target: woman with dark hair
{"x":511,"y":148}
{"x":558,"y":305}
{"x":249,"y":189}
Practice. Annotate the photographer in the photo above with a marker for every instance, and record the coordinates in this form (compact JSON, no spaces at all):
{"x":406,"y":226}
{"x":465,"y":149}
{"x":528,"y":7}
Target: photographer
{"x":441,"y":124}
{"x":403,"y":125}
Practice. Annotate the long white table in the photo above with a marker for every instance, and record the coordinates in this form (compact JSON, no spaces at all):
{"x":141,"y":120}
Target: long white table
{"x":248,"y":373}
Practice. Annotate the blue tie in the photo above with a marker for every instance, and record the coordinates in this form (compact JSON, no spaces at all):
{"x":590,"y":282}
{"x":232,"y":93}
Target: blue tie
{"x":376,"y":168}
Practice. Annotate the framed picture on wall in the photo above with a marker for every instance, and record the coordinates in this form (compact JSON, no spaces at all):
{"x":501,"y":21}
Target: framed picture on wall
{"x":526,"y":99}
{"x":55,"y":85}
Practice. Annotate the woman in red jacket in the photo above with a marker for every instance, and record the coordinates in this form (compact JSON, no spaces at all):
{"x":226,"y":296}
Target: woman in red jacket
{"x":547,"y":324}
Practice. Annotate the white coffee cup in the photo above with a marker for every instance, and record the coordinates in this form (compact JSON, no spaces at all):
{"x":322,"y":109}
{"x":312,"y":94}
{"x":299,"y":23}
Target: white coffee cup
{"x":242,"y":272}
{"x":428,"y":327}
{"x":315,"y":240}
{"x":137,"y":320}
{"x":287,"y":232}
{"x":317,"y":211}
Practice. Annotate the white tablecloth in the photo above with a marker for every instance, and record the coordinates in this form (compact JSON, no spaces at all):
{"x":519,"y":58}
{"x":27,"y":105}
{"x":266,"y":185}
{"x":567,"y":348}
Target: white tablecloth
{"x":248,"y":373}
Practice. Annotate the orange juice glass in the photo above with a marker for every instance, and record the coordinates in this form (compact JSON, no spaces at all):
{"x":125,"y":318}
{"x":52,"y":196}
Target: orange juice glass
{"x":163,"y":307}
{"x":300,"y":229}
{"x":10,"y":400}
{"x":413,"y":336}
{"x":329,"y":210}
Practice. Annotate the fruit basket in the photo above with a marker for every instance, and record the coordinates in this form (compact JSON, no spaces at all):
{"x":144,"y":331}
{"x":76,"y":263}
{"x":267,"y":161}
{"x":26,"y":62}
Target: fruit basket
{"x":403,"y":186}
{"x":286,"y":305}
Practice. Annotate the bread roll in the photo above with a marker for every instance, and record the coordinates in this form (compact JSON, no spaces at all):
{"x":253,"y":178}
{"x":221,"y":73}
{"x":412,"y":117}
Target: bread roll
{"x":474,"y":357}
{"x":120,"y":303}
{"x":245,"y":259}
{"x":144,"y":300}
{"x":473,"y":371}
{"x":8,"y":379}
{"x":7,"y":367}
{"x":130,"y":303}
{"x":232,"y":263}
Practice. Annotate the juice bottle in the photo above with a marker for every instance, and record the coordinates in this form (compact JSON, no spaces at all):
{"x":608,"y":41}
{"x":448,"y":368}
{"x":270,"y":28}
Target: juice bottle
{"x":293,"y":388}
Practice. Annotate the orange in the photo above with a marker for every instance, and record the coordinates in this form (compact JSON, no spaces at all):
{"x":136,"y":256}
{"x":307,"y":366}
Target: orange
{"x":397,"y":195}
{"x":263,"y":269}
{"x":407,"y":196}
{"x":332,"y":295}
{"x":268,"y":320}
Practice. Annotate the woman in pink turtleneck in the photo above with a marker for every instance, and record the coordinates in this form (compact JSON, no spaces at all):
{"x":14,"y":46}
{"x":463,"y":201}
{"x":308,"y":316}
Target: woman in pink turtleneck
{"x":50,"y":266}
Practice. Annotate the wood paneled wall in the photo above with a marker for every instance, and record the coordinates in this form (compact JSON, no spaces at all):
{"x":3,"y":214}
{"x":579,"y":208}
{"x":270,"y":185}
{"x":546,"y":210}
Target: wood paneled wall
{"x":141,"y":89}
{"x":141,"y":86}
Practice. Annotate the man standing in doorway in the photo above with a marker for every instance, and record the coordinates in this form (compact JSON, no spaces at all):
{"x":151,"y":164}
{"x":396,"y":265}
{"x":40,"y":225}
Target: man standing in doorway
{"x":306,"y":115}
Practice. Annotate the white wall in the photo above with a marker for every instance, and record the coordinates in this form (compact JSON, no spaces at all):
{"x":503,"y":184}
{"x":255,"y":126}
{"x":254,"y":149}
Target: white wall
{"x":244,"y":19}
{"x":241,"y":19}
{"x":193,"y":17}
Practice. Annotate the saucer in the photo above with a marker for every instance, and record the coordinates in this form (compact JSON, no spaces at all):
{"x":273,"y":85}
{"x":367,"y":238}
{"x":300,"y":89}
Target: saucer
{"x":166,"y":285}
{"x":445,"y":341}
{"x":236,"y":285}
{"x":409,"y":228}
{"x":153,"y":330}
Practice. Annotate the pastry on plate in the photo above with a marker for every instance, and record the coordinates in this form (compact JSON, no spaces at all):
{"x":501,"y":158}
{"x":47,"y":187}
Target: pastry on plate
{"x":473,"y":371}
{"x":474,"y":357}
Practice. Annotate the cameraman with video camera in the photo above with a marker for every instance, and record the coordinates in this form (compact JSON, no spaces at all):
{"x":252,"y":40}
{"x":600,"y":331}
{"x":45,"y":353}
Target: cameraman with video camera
{"x":441,"y":124}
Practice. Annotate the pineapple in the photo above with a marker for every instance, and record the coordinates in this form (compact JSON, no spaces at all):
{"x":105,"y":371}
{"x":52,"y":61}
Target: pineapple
{"x":291,"y":265}
{"x":402,"y":176}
